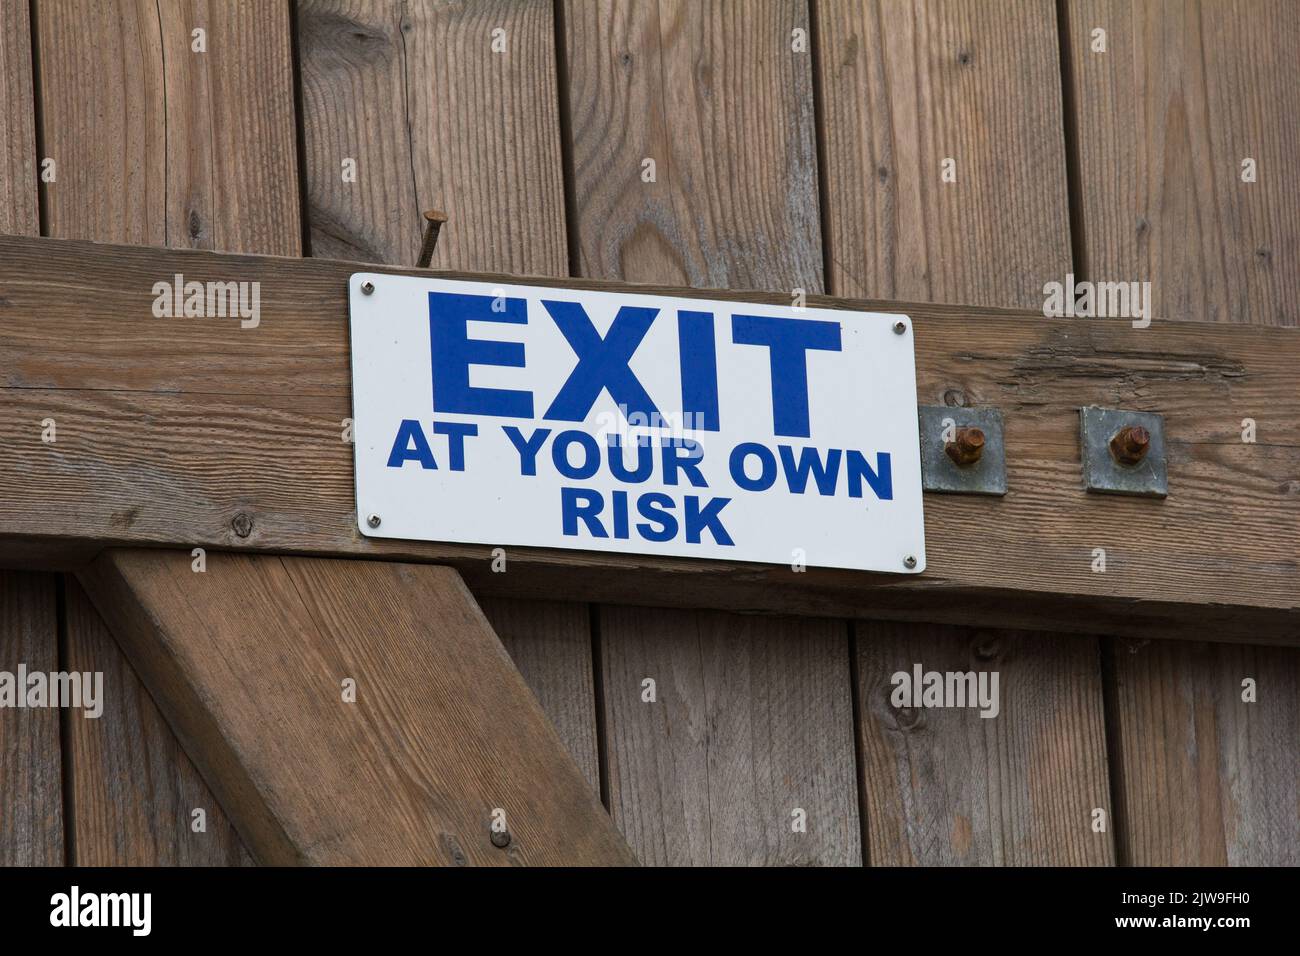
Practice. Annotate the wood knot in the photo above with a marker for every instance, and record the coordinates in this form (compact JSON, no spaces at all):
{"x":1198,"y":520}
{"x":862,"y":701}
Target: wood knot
{"x":987,"y":647}
{"x":954,"y":398}
{"x":242,"y":524}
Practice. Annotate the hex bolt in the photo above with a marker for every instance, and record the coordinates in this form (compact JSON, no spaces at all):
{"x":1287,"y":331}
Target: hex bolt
{"x":373,"y":521}
{"x":966,"y":447}
{"x":433,"y":220}
{"x":1129,"y":445}
{"x":367,"y":288}
{"x":909,"y":562}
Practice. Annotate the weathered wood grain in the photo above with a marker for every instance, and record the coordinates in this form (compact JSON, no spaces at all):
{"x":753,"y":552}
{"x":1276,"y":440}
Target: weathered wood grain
{"x":713,"y":93}
{"x":443,"y":731}
{"x":909,"y":84}
{"x":751,"y":722}
{"x":754,"y":720}
{"x":209,"y":421}
{"x":18,"y":160}
{"x":945,"y":786}
{"x":474,"y":133}
{"x":31,"y":788}
{"x":159,"y":144}
{"x":1204,"y":777}
{"x":415,"y":93}
{"x":550,"y":643}
{"x":1184,"y":93}
{"x":31,"y":795}
{"x":135,"y":791}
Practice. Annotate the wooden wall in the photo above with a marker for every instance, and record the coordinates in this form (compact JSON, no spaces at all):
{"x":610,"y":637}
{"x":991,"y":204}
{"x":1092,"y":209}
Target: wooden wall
{"x":797,"y":144}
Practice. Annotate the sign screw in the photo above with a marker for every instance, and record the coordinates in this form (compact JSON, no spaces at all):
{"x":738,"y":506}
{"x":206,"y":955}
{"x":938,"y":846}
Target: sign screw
{"x":966,"y":447}
{"x":900,"y":327}
{"x":1129,"y":445}
{"x":367,"y":288}
{"x":909,"y":562}
{"x":373,"y":521}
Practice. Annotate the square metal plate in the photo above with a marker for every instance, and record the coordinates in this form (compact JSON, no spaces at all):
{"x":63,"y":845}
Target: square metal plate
{"x":1102,"y":473}
{"x":988,"y":476}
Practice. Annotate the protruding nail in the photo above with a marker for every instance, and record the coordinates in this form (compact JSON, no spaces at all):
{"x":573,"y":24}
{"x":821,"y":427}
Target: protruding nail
{"x":1130,"y":444}
{"x":966,"y":447}
{"x":433,"y":220}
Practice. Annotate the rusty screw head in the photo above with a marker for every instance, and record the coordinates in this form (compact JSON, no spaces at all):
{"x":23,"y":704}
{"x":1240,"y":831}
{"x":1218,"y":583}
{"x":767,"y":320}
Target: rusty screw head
{"x":1130,"y":444}
{"x":966,"y":447}
{"x":500,"y":839}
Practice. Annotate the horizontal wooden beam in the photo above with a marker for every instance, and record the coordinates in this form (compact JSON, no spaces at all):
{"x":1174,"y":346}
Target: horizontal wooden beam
{"x":352,"y":712}
{"x":197,"y":432}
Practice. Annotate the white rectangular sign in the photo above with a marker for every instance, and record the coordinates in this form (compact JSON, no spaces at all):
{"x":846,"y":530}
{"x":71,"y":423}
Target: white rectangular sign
{"x":623,"y":421}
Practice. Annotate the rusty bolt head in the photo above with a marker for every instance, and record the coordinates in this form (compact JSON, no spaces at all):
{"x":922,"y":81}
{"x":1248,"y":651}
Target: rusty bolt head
{"x":500,"y":839}
{"x":1130,"y":444}
{"x":966,"y":447}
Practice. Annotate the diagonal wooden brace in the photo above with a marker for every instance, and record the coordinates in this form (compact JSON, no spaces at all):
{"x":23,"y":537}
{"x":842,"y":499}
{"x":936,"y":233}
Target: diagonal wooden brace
{"x":351,"y":712}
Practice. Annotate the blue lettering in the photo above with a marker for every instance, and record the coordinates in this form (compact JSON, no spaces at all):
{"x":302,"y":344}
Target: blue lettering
{"x":454,"y":352}
{"x":602,"y":363}
{"x":698,"y":349}
{"x":881,"y":480}
{"x":698,"y":520}
{"x":788,"y":342}
{"x":410,"y":433}
{"x":766,"y":461}
{"x":796,"y":476}
{"x":590,"y":451}
{"x":455,"y":432}
{"x":674,"y":460}
{"x":584,"y":504}
{"x":655,"y":506}
{"x":527,"y":447}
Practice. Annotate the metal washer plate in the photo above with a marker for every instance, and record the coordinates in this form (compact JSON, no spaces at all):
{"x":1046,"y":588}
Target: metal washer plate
{"x":988,"y":476}
{"x":1102,"y":473}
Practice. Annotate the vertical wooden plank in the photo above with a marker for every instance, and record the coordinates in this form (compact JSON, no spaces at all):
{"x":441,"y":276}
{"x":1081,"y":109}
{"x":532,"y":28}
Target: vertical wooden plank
{"x":31,"y":775}
{"x":907,"y":85}
{"x":134,"y":789}
{"x":948,"y":787}
{"x":1185,"y":92}
{"x":434,"y":118}
{"x":158,"y":144}
{"x":1205,"y":778}
{"x":414,"y":93}
{"x":748,"y":734}
{"x":31,"y":788}
{"x":1165,"y":117}
{"x":550,"y":643}
{"x":18,"y":161}
{"x":716,"y":97}
{"x":752,"y":718}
